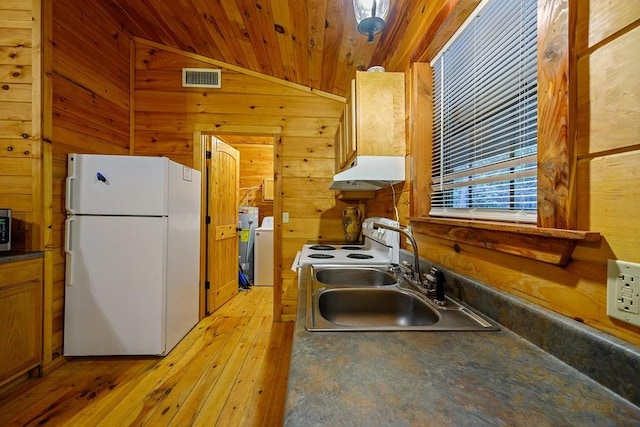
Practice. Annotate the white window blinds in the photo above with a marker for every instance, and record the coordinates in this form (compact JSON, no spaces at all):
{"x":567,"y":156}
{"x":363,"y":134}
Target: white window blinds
{"x":485,"y":116}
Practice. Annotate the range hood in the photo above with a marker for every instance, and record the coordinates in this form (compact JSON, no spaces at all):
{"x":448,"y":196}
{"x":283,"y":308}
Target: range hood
{"x":370,"y":173}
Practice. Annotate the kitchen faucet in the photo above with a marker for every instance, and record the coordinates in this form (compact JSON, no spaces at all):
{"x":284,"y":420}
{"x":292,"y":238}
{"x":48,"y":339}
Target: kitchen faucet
{"x":417,"y":274}
{"x":434,"y":281}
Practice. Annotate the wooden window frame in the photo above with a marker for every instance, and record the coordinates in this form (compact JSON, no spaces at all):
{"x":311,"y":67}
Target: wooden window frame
{"x":554,"y":237}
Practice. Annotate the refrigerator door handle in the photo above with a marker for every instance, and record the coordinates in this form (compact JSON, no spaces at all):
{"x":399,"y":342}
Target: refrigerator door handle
{"x":68,"y":195}
{"x":68,"y":249}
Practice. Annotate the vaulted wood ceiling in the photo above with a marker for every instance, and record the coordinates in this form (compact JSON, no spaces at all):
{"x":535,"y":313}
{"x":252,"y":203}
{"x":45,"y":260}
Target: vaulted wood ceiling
{"x":314,"y":43}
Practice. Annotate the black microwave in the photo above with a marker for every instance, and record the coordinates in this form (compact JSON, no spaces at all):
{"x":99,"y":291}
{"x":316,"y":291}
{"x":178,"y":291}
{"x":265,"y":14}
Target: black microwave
{"x":5,"y":229}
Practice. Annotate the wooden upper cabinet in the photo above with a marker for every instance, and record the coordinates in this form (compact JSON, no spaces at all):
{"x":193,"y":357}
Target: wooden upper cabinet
{"x":373,"y":120}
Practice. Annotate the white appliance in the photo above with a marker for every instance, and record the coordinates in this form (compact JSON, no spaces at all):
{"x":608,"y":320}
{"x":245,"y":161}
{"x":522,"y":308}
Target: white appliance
{"x":264,"y":253}
{"x":381,"y":247}
{"x":370,"y":173}
{"x":132,"y":240}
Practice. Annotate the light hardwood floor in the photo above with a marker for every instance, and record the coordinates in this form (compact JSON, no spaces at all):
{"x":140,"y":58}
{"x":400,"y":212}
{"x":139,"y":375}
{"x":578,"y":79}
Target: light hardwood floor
{"x":230,"y":370}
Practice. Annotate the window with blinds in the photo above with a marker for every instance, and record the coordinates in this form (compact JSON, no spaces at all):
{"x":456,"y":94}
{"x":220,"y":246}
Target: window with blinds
{"x":485,"y":116}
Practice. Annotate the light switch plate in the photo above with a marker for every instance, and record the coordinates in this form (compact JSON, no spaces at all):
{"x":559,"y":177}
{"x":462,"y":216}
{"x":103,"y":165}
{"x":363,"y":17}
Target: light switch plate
{"x":623,"y":291}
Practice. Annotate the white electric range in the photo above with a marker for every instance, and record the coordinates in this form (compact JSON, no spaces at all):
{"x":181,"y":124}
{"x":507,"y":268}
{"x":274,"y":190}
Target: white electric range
{"x":381,"y":247}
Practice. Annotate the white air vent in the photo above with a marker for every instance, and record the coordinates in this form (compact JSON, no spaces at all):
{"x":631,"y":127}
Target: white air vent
{"x":201,"y":77}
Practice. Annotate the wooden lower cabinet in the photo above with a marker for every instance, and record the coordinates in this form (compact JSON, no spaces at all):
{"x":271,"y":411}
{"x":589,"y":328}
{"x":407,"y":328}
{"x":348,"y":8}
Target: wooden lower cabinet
{"x":20,"y":317}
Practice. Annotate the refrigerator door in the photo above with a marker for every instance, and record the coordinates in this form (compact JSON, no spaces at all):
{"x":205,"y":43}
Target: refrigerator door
{"x":115,"y":294}
{"x":116,"y":185}
{"x":183,"y":253}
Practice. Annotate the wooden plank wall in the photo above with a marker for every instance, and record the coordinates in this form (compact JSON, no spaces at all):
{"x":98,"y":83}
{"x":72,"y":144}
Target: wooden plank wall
{"x":315,"y":214}
{"x":90,"y":111}
{"x":166,"y":113}
{"x":608,"y":125}
{"x":608,"y":197}
{"x":20,"y":136}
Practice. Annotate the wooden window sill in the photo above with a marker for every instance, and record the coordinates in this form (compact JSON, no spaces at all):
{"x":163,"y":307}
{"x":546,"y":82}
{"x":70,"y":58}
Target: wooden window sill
{"x":550,"y":245}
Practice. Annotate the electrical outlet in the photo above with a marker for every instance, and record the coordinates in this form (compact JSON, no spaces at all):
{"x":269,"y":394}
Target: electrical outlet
{"x":623,"y":291}
{"x":285,"y":217}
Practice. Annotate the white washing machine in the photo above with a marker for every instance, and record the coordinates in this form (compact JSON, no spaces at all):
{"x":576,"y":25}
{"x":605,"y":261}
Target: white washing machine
{"x":263,"y":254}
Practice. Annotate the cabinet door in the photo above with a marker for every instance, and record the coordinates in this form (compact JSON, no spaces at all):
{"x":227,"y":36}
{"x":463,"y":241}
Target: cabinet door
{"x":351,"y":140}
{"x":339,"y":145}
{"x":20,"y":328}
{"x":346,"y":142}
{"x":380,"y":114}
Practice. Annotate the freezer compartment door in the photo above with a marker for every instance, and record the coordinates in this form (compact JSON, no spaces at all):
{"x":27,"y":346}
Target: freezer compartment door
{"x":115,"y":286}
{"x":116,"y":185}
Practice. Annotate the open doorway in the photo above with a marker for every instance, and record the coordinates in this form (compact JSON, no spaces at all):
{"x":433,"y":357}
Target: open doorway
{"x":255,"y":178}
{"x":255,"y":208}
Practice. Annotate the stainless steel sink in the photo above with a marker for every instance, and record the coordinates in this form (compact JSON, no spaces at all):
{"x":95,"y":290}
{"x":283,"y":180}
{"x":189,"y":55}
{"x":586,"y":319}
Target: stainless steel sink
{"x":351,"y":276}
{"x":374,"y":307}
{"x":348,"y":298}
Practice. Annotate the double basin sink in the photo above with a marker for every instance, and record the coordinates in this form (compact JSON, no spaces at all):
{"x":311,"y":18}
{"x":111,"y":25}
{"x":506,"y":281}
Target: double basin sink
{"x":354,"y":298}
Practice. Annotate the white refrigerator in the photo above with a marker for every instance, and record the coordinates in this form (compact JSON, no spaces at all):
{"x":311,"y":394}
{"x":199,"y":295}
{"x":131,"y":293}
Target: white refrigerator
{"x":132,"y":243}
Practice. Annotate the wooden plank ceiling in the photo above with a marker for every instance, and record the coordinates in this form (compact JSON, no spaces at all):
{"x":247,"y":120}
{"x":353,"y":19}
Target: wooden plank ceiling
{"x":314,"y":43}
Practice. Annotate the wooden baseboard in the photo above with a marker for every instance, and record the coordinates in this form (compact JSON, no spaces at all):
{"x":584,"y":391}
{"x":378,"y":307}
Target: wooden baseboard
{"x":53,"y":365}
{"x":13,"y":383}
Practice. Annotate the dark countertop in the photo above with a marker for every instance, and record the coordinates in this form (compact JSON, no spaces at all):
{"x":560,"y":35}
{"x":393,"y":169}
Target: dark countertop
{"x":14,"y":256}
{"x":439,"y":378}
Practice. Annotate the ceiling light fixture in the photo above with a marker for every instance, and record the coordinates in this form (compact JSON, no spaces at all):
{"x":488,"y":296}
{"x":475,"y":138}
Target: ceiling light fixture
{"x":370,"y":15}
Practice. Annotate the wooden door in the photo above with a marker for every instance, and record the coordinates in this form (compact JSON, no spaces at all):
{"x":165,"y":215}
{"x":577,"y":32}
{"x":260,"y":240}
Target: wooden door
{"x":222,"y":241}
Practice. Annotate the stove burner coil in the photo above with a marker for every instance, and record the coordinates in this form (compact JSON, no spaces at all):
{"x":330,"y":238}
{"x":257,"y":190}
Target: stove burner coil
{"x":359,"y":256}
{"x":322,"y":248}
{"x":352,"y":248}
{"x":321,"y":256}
